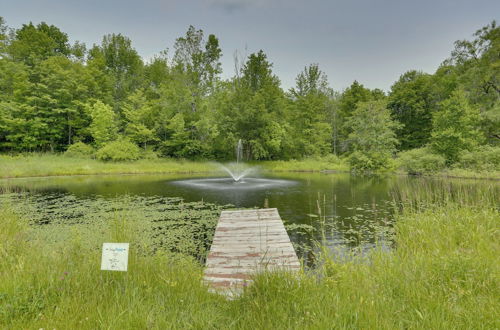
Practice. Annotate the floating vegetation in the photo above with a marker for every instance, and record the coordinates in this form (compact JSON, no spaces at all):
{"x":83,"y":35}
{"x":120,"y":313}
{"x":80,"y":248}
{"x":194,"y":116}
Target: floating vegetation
{"x":165,"y":223}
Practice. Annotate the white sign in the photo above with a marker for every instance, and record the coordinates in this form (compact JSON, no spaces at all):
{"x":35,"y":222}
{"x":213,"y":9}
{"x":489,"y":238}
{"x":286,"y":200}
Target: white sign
{"x":114,"y":256}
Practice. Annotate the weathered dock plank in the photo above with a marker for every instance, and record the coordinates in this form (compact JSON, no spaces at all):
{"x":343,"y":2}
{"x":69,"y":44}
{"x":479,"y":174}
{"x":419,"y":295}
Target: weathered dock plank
{"x":246,"y":242}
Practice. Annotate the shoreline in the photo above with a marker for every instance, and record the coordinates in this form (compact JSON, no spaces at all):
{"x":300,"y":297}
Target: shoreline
{"x":44,"y":166}
{"x":444,"y":176}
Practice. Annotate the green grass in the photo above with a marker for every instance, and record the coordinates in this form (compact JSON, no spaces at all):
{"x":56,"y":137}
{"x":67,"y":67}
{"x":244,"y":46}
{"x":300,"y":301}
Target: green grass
{"x":468,"y":173}
{"x":36,"y":164}
{"x":331,"y":163}
{"x":32,"y":165}
{"x":460,"y":173}
{"x":443,"y":274}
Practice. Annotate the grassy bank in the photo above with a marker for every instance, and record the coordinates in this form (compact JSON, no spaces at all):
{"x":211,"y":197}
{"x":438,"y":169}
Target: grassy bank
{"x":467,"y":173}
{"x":52,"y":165}
{"x":443,"y":274}
{"x":32,"y":165}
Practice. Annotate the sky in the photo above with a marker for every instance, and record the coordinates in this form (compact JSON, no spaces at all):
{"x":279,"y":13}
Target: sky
{"x":371,"y":41}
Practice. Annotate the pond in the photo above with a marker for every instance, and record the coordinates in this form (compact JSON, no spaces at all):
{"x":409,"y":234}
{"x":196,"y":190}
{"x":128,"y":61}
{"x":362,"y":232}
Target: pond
{"x":341,"y":210}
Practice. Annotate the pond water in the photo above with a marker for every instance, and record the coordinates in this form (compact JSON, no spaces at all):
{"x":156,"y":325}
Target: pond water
{"x":342,"y":210}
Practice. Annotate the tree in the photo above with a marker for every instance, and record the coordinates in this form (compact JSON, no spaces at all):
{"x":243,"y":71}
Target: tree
{"x":62,"y":87}
{"x":121,"y":63}
{"x":347,"y":104}
{"x":103,"y":128}
{"x":455,"y":127}
{"x":47,"y":99}
{"x":156,"y":72}
{"x":311,"y":130}
{"x":3,"y":37}
{"x":311,"y":81}
{"x":140,"y":118}
{"x":257,"y":73}
{"x":200,"y":64}
{"x":256,"y":110}
{"x":33,"y":44}
{"x":411,"y":104}
{"x":478,"y":72}
{"x":372,"y":140}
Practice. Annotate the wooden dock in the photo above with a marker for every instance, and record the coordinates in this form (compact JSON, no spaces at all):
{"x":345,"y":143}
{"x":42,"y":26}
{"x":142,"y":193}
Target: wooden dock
{"x":247,"y":242}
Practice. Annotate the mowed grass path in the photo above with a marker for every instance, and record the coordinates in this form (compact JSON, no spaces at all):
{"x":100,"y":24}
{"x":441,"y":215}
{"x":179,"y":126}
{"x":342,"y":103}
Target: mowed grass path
{"x":443,"y":274}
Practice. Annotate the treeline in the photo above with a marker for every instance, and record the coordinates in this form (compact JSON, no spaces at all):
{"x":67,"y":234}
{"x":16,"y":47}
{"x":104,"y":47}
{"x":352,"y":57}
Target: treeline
{"x":55,"y":95}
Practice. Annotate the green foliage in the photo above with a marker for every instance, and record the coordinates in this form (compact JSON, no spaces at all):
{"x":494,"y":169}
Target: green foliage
{"x":149,"y":153}
{"x":140,"y":117}
{"x":411,"y":103}
{"x":373,"y":138}
{"x":79,"y":150}
{"x":103,"y":127}
{"x":201,"y":66}
{"x":168,"y":224}
{"x":420,"y":161}
{"x":33,"y":44}
{"x":477,"y":70}
{"x":119,"y":150}
{"x":310,"y":112}
{"x":367,"y":161}
{"x":53,"y":93}
{"x":484,"y":158}
{"x":455,"y":127}
{"x":346,"y":106}
{"x":121,"y":63}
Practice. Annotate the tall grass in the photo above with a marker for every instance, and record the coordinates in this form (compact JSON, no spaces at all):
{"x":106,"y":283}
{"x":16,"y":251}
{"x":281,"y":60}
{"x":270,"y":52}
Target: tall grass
{"x":36,"y":164}
{"x":443,"y":274}
{"x":329,"y":163}
{"x":31,"y":165}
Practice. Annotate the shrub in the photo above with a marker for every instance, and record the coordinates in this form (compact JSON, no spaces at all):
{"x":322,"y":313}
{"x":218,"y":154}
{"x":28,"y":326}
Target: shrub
{"x":420,"y":161}
{"x":484,"y":158}
{"x":118,"y":150}
{"x":330,"y":158}
{"x":455,"y":127}
{"x":149,"y":153}
{"x":79,"y":150}
{"x":368,"y":161}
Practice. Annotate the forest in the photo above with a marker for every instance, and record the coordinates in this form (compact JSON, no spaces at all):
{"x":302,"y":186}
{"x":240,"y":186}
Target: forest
{"x":106,"y":102}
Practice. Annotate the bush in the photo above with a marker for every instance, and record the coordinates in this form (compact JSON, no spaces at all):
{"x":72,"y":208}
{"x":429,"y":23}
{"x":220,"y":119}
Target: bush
{"x":368,"y":161}
{"x":118,"y":151}
{"x":79,"y":150}
{"x":484,"y":158}
{"x":330,"y":158}
{"x":149,"y":153}
{"x":420,"y":161}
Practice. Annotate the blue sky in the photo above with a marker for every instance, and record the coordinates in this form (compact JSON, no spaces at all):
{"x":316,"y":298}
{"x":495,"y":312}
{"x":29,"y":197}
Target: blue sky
{"x":371,"y":41}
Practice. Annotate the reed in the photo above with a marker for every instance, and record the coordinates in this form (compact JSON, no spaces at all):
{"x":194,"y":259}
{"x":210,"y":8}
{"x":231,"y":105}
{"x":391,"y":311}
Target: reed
{"x":442,"y":274}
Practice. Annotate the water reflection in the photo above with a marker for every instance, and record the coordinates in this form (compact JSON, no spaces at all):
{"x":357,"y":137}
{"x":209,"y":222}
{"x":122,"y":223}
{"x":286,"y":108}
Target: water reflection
{"x":347,"y":211}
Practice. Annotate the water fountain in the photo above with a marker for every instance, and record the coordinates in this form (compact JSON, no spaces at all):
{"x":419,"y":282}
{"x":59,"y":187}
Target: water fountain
{"x":240,"y":177}
{"x":237,"y":171}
